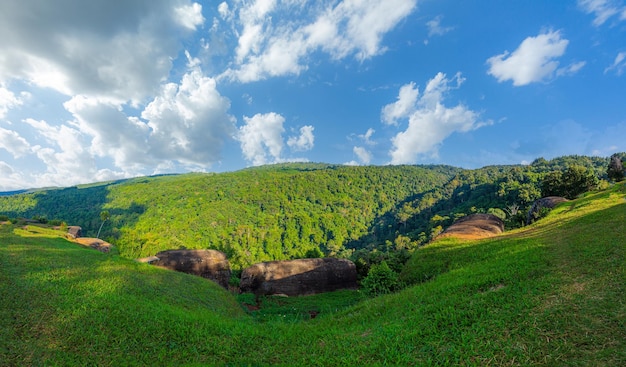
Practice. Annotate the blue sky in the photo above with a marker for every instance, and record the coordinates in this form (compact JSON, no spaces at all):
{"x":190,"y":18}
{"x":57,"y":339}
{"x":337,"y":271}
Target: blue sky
{"x":98,"y":90}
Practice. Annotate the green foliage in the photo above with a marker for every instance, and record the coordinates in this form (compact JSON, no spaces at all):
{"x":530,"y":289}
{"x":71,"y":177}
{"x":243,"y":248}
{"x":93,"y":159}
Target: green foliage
{"x":284,"y":211}
{"x":380,"y":280}
{"x":104,"y":216}
{"x":314,"y":253}
{"x":575,"y":180}
{"x":497,"y":212}
{"x":615,"y":171}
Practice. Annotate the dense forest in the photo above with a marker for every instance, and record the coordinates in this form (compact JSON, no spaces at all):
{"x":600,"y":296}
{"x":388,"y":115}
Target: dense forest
{"x":295,"y":210}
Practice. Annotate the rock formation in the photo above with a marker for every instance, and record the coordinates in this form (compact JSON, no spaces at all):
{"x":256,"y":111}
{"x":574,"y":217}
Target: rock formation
{"x":299,"y":277}
{"x":95,"y":243}
{"x":210,"y":264}
{"x":74,"y":231}
{"x":547,"y":202}
{"x":475,"y":226}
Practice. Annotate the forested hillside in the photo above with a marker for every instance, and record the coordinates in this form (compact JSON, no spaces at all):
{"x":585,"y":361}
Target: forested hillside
{"x":290,"y":211}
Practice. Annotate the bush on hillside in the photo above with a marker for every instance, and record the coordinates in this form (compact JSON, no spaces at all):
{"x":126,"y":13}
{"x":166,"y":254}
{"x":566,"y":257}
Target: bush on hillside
{"x":380,"y":280}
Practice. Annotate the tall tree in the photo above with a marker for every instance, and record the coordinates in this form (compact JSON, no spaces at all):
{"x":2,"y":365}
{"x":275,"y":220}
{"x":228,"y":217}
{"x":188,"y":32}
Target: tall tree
{"x":104,"y":215}
{"x":615,"y":170}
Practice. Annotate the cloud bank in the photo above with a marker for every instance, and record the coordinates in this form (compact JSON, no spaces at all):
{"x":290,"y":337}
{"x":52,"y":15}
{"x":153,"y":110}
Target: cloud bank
{"x":275,"y":46}
{"x":430,"y":122}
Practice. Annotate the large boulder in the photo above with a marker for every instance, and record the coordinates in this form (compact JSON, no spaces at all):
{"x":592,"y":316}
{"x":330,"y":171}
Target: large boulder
{"x":548,"y":202}
{"x":210,"y":264}
{"x":299,"y":277}
{"x":74,"y":231}
{"x":95,"y":243}
{"x":475,"y":226}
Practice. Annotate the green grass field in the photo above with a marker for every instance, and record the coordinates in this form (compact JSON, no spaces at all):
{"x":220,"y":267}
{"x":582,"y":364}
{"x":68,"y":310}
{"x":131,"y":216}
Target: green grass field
{"x":548,"y":294}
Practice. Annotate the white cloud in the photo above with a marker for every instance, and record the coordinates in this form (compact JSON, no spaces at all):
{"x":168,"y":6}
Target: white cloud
{"x":65,"y":158}
{"x":571,"y":69}
{"x":533,"y":61}
{"x":435,"y":28}
{"x":189,"y":121}
{"x":261,"y":138}
{"x":189,"y":16}
{"x":270,"y":46}
{"x":407,"y":97}
{"x":224,"y":10}
{"x":365,"y":157}
{"x":603,"y":10}
{"x":9,"y":100}
{"x":13,"y":143}
{"x":430,"y":122}
{"x":10,"y":179}
{"x":304,"y":141}
{"x":619,"y":64}
{"x":100,"y":48}
{"x":367,"y":137}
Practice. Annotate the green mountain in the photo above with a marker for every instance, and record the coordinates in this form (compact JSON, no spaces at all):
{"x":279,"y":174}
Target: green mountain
{"x":294,"y":210}
{"x":550,"y":293}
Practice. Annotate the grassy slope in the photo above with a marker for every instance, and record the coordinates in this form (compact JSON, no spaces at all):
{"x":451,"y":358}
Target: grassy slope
{"x":550,"y":294}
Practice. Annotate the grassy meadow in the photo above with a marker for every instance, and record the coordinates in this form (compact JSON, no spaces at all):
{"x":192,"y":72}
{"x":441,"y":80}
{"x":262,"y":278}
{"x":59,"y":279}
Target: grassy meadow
{"x":550,"y":294}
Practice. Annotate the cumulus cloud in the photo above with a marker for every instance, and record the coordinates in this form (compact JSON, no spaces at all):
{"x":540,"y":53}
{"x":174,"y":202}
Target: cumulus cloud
{"x":603,"y":10}
{"x":619,"y":64}
{"x":186,"y":123}
{"x":10,"y":179}
{"x":9,"y":100}
{"x":13,"y":143}
{"x":430,"y":122}
{"x":117,"y":50}
{"x":189,"y":15}
{"x":65,"y":158}
{"x":304,"y":141}
{"x":189,"y":121}
{"x":364,"y":156}
{"x":270,"y":46}
{"x":533,"y":61}
{"x":407,"y":97}
{"x":261,"y":139}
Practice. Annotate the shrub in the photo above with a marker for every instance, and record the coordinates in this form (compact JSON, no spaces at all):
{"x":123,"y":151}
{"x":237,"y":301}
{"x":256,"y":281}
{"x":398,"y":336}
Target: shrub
{"x":314,"y":253}
{"x":380,"y":280}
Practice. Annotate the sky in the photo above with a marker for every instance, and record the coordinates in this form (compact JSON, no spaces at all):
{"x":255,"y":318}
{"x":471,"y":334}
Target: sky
{"x":101,"y":90}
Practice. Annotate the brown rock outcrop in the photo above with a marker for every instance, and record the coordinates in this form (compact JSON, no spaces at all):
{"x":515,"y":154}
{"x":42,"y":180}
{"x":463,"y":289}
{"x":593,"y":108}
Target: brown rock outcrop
{"x":210,"y":264}
{"x":74,"y":231}
{"x":94,"y":243}
{"x":299,"y":277}
{"x":475,"y":226}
